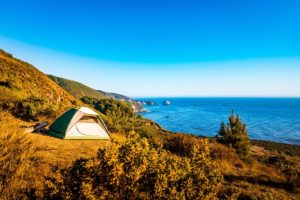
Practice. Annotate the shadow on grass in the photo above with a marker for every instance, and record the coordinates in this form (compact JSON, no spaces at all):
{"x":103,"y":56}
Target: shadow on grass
{"x":257,"y":181}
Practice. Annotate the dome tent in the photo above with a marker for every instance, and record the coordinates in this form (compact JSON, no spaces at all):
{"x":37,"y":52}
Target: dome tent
{"x":79,"y":123}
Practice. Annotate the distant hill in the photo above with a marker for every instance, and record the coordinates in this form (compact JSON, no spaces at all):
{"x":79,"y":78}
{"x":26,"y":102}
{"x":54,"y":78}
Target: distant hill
{"x":27,"y":92}
{"x":77,"y":89}
{"x":115,"y":95}
{"x":80,"y":90}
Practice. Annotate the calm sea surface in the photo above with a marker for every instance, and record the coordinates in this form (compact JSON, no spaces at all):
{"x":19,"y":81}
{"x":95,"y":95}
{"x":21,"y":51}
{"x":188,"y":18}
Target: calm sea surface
{"x":276,"y":119}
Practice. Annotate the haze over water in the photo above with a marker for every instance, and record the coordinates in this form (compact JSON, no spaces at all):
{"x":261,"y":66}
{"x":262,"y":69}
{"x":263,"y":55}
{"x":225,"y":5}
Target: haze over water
{"x":275,"y":119}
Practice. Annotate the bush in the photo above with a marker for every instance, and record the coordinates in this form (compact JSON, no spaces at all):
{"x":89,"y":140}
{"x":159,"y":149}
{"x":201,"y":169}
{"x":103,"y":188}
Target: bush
{"x":133,"y":169}
{"x":235,"y":135}
{"x":31,"y":109}
{"x":221,"y":152}
{"x":181,"y":144}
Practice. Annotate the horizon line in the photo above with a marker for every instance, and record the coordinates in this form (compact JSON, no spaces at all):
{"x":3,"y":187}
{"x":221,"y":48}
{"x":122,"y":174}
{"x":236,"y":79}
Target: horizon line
{"x":278,"y":97}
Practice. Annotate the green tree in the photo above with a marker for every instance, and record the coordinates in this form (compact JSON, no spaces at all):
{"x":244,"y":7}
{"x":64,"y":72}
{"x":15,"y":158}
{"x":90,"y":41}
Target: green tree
{"x":235,"y":135}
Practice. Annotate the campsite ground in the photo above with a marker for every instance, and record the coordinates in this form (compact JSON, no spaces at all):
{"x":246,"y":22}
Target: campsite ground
{"x":58,"y":152}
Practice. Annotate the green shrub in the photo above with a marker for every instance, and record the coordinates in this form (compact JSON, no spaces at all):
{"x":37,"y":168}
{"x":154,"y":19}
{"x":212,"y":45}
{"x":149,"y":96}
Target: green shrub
{"x":133,"y":169}
{"x":235,"y":135}
{"x":32,"y":108}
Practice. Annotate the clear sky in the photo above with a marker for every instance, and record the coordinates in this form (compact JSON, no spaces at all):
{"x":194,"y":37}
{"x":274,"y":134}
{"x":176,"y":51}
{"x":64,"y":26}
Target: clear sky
{"x":161,"y":48}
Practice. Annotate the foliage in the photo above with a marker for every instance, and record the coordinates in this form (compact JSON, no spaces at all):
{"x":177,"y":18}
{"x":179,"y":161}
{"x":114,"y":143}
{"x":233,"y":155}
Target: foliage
{"x":133,"y":169}
{"x":22,"y":86}
{"x":31,"y":109}
{"x":222,"y":152}
{"x":231,"y":193}
{"x":182,"y":144}
{"x":77,"y":89}
{"x":235,"y":135}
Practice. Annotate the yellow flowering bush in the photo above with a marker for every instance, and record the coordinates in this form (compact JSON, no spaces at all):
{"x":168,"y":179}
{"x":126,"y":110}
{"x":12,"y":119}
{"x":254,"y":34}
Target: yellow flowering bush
{"x":133,"y":169}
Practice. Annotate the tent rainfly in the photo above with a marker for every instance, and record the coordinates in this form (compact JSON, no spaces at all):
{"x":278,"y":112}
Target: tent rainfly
{"x":79,"y":124}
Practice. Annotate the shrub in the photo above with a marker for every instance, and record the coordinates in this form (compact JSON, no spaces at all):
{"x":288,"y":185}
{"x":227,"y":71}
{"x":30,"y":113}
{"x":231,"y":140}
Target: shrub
{"x":235,"y":135}
{"x":133,"y":169}
{"x":182,"y":144}
{"x":222,"y":152}
{"x":31,"y":109}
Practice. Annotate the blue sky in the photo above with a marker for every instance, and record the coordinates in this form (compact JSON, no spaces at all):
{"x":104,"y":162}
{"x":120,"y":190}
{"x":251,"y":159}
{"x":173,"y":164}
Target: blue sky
{"x":161,"y":48}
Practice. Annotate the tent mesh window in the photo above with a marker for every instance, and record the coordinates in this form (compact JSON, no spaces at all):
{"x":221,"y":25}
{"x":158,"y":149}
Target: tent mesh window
{"x":88,"y":119}
{"x":91,"y":119}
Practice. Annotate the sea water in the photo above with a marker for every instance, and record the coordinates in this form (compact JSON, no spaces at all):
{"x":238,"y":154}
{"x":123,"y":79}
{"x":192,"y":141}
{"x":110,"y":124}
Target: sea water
{"x":275,"y":119}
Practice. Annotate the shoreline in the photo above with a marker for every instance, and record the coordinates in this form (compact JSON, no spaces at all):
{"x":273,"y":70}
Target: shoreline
{"x":290,"y":149}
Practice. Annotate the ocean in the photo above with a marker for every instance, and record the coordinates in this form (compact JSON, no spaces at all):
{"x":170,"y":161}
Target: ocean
{"x":275,"y":119}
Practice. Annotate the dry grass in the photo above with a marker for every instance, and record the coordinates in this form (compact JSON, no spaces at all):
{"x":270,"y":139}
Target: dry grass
{"x":62,"y":153}
{"x":252,"y":178}
{"x":17,"y":154}
{"x":25,"y":159}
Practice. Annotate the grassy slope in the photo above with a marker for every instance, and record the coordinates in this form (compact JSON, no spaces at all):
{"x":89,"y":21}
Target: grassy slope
{"x":20,"y":80}
{"x":78,"y":89}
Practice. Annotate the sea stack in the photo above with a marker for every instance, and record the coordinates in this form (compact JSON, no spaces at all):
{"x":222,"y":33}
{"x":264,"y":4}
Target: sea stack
{"x":166,"y":102}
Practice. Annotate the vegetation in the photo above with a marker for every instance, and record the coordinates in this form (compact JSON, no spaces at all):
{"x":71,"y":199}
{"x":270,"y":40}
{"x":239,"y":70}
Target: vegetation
{"x":77,"y":89}
{"x":235,"y":135}
{"x":133,"y":169}
{"x":28,"y":93}
{"x":181,"y":144}
{"x":142,"y":161}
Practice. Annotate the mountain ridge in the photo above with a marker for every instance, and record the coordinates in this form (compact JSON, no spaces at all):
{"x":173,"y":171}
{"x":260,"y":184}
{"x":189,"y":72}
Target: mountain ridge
{"x":80,"y":90}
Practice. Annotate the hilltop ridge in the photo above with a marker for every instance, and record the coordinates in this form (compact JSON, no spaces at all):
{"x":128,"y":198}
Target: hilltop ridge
{"x":80,"y":90}
{"x":23,"y":85}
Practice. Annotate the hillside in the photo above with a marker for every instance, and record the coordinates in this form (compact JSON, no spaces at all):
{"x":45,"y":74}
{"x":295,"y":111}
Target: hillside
{"x":29,"y":93}
{"x":77,"y":89}
{"x":143,"y":161}
{"x":115,"y":95}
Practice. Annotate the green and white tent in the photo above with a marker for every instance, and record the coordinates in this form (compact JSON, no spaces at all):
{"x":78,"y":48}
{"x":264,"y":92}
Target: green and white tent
{"x":79,"y":123}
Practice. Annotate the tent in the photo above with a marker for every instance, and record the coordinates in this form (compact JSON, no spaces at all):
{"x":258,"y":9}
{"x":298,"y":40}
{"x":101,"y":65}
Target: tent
{"x":79,"y":123}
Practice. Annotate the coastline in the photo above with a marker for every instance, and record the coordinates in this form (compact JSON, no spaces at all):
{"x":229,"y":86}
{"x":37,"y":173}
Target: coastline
{"x":267,"y":119}
{"x":289,"y":149}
